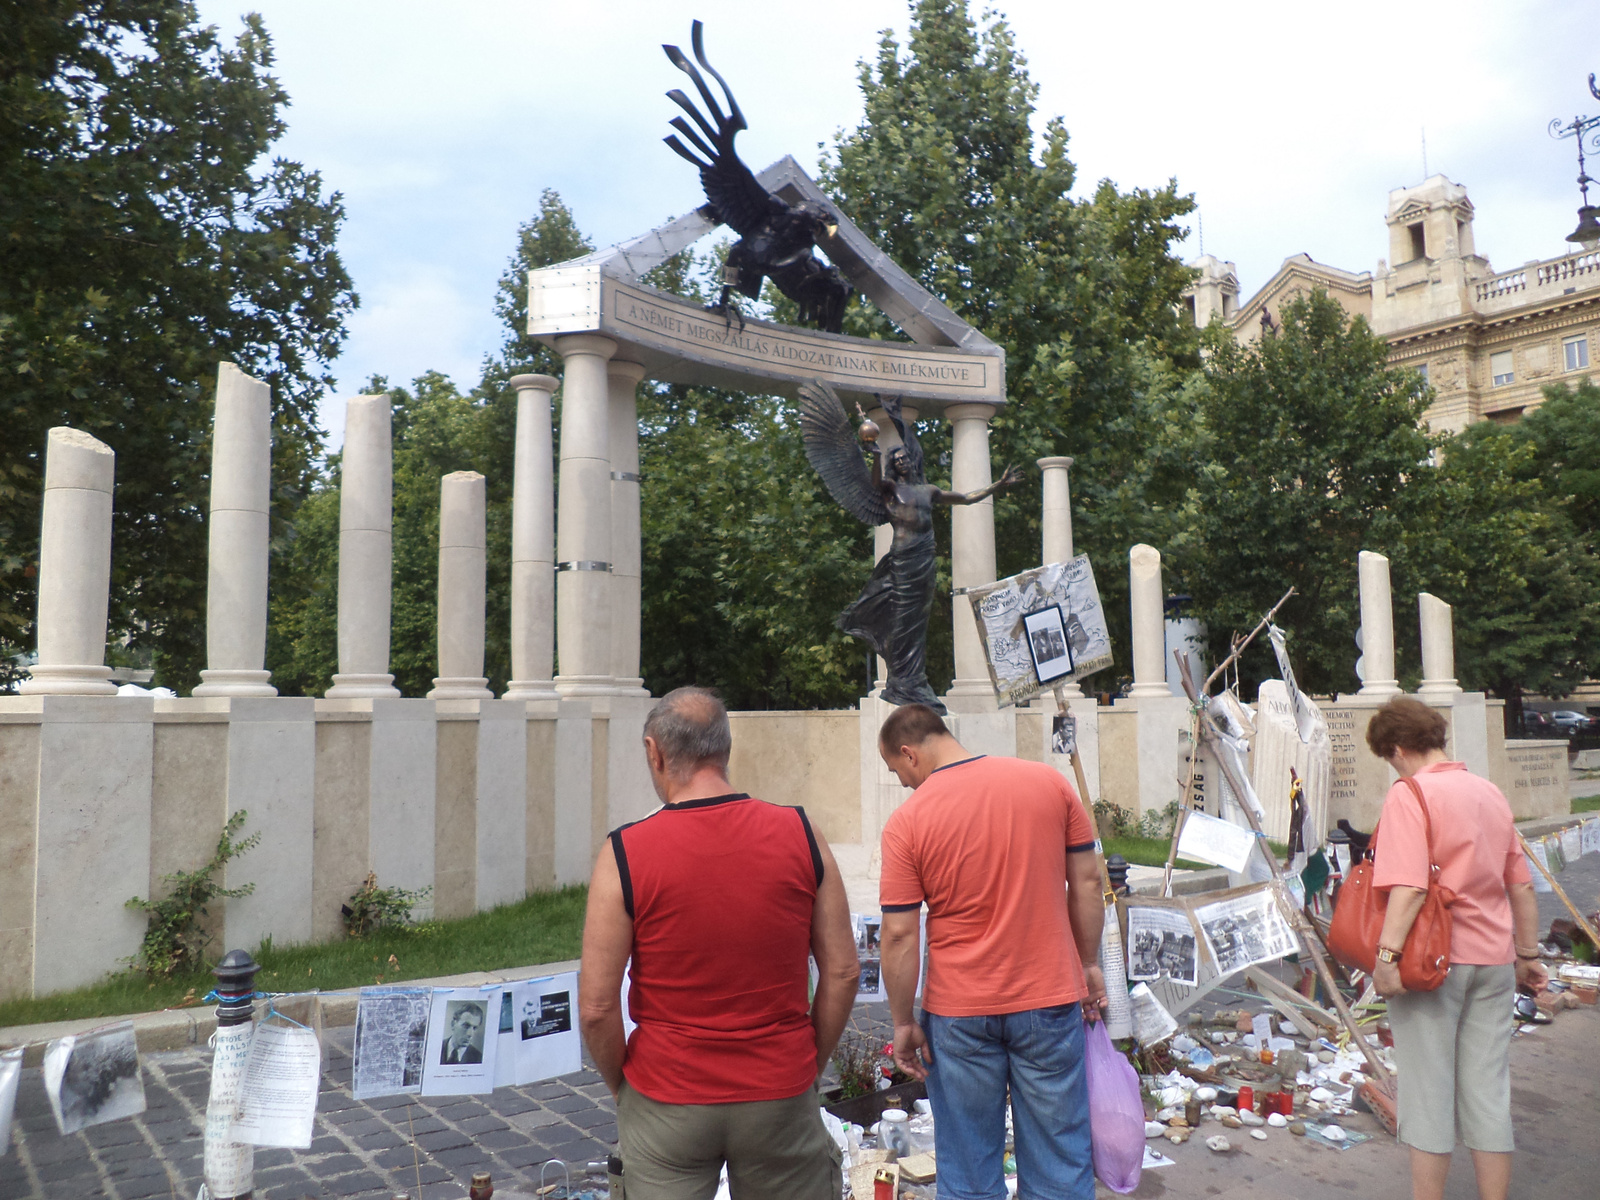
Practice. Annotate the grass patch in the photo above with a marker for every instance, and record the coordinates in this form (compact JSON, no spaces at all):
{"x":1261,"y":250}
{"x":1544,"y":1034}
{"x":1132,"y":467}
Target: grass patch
{"x":1583,"y":804}
{"x":1148,"y":852}
{"x":545,"y":927}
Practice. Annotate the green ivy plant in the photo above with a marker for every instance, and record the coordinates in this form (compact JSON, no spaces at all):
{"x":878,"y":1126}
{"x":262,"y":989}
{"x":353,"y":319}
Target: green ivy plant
{"x":173,"y":941}
{"x":373,"y":907}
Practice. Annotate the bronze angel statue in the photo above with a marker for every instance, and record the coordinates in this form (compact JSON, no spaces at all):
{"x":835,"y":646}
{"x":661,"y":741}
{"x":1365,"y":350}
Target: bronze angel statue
{"x":891,"y":613}
{"x":775,"y":238}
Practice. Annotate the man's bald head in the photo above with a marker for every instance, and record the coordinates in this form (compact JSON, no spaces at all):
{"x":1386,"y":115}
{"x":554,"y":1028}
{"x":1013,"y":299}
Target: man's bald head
{"x":689,"y":726}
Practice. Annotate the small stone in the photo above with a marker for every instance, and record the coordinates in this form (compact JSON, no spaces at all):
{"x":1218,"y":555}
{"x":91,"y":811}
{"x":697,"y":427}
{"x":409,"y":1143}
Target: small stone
{"x":1298,"y":1128}
{"x":1219,"y":1143}
{"x":1243,"y":1023}
{"x":1277,"y":1120}
{"x":1166,"y":1114}
{"x":1326,"y":1056}
{"x":1321,"y":1095}
{"x":1196,"y":1020}
{"x":1177,"y":1136}
{"x":1333,"y":1133}
{"x":1154,"y":1129}
{"x":1260,"y":1135}
{"x":1205,"y":1094}
{"x":1232,"y":1122}
{"x":1179,"y":1122}
{"x":1250,"y":1118}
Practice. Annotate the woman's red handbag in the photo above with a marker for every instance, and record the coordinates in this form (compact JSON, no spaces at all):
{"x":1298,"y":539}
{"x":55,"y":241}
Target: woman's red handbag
{"x":1358,"y":920}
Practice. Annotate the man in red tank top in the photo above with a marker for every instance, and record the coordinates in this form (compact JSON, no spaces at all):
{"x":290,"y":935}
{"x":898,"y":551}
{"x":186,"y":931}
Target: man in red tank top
{"x":716,"y":900}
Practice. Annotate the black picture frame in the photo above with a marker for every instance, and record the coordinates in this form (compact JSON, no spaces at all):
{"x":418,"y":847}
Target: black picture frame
{"x":1045,"y":632}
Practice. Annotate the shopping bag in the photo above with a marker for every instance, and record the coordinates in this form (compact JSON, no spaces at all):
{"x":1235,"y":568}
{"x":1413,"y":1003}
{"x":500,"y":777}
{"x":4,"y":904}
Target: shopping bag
{"x":1116,"y":1112}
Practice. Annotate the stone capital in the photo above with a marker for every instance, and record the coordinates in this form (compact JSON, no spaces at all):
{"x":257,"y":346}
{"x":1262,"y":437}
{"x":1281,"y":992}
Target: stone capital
{"x":1059,"y":462}
{"x":585,"y":344}
{"x":628,"y":372}
{"x":542,"y":383}
{"x":970,"y":412}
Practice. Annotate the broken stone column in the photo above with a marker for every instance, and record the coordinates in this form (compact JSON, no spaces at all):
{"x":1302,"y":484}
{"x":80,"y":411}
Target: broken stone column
{"x":463,"y":587}
{"x":74,"y":568}
{"x":1438,"y":647}
{"x":1147,"y":604}
{"x":627,"y":560}
{"x":236,"y":575}
{"x":533,"y":564}
{"x":1377,"y":627}
{"x":1056,"y":514}
{"x":366,"y":552}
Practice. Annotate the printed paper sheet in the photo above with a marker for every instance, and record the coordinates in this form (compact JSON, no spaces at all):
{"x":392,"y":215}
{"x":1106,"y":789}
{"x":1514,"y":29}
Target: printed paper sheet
{"x":999,"y":609}
{"x":1161,"y":943}
{"x":278,"y":1096}
{"x":1246,"y":929}
{"x":391,"y":1038}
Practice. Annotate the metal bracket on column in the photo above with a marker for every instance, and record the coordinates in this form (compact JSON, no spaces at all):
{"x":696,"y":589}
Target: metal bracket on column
{"x":584,"y":565}
{"x":627,"y":477}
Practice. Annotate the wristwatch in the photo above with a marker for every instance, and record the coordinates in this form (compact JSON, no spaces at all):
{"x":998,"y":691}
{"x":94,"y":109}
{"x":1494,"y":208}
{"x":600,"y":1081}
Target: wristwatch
{"x":1387,"y":955}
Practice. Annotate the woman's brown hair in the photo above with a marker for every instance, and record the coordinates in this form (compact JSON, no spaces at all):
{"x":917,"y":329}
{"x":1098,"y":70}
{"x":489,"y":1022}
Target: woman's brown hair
{"x":1406,"y":724}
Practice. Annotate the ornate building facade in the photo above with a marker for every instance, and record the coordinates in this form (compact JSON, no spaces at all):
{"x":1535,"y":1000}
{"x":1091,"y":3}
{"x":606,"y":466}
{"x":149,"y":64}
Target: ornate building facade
{"x":1487,"y":341}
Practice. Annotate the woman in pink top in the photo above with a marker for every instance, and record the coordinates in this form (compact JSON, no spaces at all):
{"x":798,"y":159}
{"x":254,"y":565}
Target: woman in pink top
{"x":1452,"y":1046}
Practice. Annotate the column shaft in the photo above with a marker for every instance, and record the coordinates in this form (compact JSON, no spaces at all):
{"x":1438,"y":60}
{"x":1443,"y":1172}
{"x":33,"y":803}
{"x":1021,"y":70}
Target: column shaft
{"x":972,"y":554}
{"x":583,"y":520}
{"x":463,"y":563}
{"x":1147,"y":604}
{"x":366,"y":551}
{"x":627,"y":560}
{"x":1377,"y":627}
{"x":1056,"y":523}
{"x":74,"y":567}
{"x":533,"y":578}
{"x":1438,"y":647}
{"x":236,"y":575}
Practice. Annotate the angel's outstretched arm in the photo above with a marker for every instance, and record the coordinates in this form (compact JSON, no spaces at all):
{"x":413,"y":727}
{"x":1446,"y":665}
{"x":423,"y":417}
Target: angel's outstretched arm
{"x":1008,"y":479}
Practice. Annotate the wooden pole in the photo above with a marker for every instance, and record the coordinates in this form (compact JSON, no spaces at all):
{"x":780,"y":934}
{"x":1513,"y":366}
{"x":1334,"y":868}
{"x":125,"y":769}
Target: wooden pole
{"x":1583,"y":922}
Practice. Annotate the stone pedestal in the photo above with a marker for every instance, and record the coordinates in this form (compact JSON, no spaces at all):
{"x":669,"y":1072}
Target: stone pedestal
{"x":74,"y":568}
{"x":463,"y":562}
{"x":236,"y":578}
{"x":1056,"y":523}
{"x":1147,"y":602}
{"x":533,"y":566}
{"x":972,"y":553}
{"x":1438,"y":647}
{"x":622,"y":381}
{"x":583,"y":520}
{"x":366,"y":510}
{"x":1377,"y":627}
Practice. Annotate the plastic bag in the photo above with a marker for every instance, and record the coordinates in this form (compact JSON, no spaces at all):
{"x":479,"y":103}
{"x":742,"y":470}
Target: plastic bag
{"x":1116,"y":1113}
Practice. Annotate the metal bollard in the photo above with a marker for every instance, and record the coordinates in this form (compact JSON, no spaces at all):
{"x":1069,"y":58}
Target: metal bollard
{"x":229,"y":1165}
{"x":1117,"y":868}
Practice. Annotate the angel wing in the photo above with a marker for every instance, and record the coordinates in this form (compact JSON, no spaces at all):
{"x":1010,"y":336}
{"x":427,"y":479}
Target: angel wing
{"x":741,"y":203}
{"x":835,"y":455}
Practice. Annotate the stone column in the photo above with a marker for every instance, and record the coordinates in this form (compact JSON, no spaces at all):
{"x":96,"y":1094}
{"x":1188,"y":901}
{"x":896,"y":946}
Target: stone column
{"x":622,"y":382}
{"x":463,"y":564}
{"x":74,"y":568}
{"x":583,"y":520}
{"x":1057,"y":510}
{"x":1377,"y":627}
{"x":883,"y":535}
{"x":366,"y":512}
{"x":236,"y":579}
{"x":1438,"y":647}
{"x":1147,"y":602}
{"x":1056,"y":520}
{"x":972,"y":560}
{"x":533,"y":566}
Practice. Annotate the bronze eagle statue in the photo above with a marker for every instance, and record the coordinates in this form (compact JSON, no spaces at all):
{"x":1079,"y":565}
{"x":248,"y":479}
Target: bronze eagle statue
{"x":776,"y":239}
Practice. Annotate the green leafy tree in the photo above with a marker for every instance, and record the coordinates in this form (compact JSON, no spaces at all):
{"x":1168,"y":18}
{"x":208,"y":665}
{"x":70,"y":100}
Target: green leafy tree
{"x":144,"y":237}
{"x":1564,"y":435}
{"x":946,"y":174}
{"x":1313,"y":451}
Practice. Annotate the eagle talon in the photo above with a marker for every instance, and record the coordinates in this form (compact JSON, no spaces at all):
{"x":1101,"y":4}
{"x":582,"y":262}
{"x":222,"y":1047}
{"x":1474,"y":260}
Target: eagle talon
{"x":729,"y":308}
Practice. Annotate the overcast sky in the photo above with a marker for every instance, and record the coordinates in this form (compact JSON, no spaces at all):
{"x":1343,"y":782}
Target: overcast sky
{"x":441,"y":125}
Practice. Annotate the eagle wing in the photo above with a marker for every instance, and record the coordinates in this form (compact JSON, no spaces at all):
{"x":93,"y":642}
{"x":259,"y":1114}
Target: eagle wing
{"x":835,"y":455}
{"x":736,"y":195}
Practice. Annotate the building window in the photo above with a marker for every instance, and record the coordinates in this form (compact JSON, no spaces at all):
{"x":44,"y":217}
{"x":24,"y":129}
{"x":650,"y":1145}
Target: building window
{"x":1576,"y":351}
{"x":1500,"y":370}
{"x":1419,"y":244}
{"x":1422,"y":369}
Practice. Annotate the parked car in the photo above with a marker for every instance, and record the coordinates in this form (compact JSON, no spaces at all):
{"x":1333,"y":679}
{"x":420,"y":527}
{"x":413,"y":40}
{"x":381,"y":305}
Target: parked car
{"x":1569,"y":721}
{"x":1540,"y":724}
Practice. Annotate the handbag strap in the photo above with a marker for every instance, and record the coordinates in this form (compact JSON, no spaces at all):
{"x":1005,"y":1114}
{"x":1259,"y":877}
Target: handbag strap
{"x":1427,"y":819}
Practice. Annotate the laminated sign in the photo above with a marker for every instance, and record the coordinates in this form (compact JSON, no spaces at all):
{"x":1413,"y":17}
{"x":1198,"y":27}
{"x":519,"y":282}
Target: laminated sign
{"x":1041,"y":628}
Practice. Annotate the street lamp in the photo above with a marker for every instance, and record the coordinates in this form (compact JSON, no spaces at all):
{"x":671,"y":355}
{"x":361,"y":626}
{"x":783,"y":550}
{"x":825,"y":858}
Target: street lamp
{"x":1587,"y":234}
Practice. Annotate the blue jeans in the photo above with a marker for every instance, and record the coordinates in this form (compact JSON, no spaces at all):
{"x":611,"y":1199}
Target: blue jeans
{"x":1039,"y":1053}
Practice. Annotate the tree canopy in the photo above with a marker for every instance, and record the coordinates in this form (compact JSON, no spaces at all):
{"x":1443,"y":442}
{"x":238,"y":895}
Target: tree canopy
{"x":144,"y":238}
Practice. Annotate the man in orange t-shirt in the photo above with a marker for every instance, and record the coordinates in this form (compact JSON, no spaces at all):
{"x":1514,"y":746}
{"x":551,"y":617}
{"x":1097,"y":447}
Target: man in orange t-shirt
{"x":1002,"y":853}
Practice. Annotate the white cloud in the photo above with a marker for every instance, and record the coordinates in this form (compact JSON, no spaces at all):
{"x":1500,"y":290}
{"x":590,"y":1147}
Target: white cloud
{"x":442,"y":124}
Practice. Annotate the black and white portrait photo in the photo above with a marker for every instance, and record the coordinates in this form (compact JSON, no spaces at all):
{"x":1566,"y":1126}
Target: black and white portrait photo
{"x":547,"y":1014}
{"x":1047,"y":642}
{"x":1063,"y":734}
{"x":94,"y":1077}
{"x":463,"y":1040}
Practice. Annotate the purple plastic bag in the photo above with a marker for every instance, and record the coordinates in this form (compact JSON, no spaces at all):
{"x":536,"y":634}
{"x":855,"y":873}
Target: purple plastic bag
{"x":1116,"y":1111}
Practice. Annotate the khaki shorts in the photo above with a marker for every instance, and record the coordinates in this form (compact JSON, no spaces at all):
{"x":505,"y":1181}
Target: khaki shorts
{"x":773,"y":1148}
{"x":1453,"y":1050}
